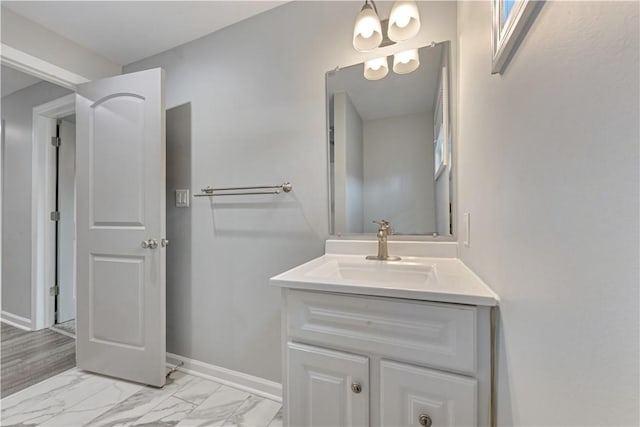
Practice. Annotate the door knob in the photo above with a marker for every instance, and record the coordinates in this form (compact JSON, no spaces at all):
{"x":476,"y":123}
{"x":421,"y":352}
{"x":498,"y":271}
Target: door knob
{"x":425,"y":420}
{"x":149,"y":244}
{"x":164,"y":242}
{"x":356,"y":388}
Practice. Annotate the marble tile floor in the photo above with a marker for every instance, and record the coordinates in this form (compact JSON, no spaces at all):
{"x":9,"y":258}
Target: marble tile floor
{"x":76,"y":398}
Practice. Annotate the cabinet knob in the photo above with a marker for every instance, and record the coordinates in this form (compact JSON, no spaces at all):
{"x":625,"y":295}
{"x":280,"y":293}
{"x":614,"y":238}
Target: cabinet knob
{"x":425,"y":420}
{"x":356,"y":388}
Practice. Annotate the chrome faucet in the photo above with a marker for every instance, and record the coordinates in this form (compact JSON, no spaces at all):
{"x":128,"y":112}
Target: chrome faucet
{"x":383,"y":251}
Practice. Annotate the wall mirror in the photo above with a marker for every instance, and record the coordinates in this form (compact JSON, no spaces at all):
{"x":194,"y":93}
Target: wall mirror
{"x":390,"y":146}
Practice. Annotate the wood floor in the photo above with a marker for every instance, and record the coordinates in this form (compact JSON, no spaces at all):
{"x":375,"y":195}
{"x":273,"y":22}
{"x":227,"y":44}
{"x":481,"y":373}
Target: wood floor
{"x":68,"y":327}
{"x":31,"y":357}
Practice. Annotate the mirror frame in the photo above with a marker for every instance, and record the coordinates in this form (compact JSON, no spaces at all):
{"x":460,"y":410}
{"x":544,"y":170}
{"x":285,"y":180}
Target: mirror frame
{"x":451,"y":127}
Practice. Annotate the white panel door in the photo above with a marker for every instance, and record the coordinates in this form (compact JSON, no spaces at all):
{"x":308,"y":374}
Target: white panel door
{"x":322,"y":388}
{"x":67,"y":225}
{"x":121,"y":208}
{"x":410,"y":392}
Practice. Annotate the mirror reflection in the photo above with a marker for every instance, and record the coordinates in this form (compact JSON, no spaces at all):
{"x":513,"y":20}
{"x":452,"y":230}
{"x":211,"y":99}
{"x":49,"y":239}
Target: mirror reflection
{"x":390,"y":147}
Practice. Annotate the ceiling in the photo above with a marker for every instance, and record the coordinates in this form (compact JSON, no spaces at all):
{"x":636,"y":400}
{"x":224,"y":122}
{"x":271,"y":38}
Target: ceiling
{"x":394,"y":95}
{"x":128,"y":31}
{"x":13,"y":81}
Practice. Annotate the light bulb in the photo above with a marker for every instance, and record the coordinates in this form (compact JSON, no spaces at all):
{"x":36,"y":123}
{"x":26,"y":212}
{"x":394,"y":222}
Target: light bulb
{"x":367,"y":31}
{"x":406,"y":62}
{"x":376,"y":69}
{"x":367,"y":27}
{"x":404,"y":21}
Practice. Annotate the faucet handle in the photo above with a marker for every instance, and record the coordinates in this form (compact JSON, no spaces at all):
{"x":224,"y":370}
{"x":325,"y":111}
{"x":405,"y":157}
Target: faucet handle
{"x":384,"y":225}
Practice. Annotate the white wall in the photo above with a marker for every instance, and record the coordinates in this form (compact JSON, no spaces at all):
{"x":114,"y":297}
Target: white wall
{"x":17,"y":111}
{"x":257,"y":93}
{"x":29,"y":37}
{"x":398,"y":173}
{"x":348,"y":165}
{"x":548,"y":168}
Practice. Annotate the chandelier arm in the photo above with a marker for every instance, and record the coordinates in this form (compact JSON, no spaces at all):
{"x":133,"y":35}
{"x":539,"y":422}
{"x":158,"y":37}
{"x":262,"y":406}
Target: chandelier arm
{"x":374,"y":6}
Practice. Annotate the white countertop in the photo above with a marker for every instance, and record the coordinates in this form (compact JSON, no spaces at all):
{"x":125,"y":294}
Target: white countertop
{"x":419,"y":278}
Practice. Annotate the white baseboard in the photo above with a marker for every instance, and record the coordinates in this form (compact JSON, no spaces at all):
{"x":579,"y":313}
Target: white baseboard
{"x":254,"y":385}
{"x":15,"y":320}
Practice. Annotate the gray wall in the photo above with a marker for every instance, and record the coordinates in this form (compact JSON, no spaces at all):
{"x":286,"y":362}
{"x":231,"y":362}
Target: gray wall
{"x":349,"y":158}
{"x":548,"y":168}
{"x":398,"y":173}
{"x":258,"y":117}
{"x":178,"y":222}
{"x":17,"y":111}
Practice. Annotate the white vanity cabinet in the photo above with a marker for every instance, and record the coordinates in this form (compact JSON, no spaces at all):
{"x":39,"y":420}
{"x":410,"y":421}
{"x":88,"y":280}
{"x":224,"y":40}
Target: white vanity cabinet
{"x":357,"y":360}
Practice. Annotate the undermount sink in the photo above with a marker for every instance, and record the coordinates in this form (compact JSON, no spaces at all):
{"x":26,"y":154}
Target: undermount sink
{"x":387,"y":274}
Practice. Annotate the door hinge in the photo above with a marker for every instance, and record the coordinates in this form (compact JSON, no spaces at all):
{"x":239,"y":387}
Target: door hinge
{"x":54,"y":291}
{"x":55,"y":216}
{"x":56,"y":141}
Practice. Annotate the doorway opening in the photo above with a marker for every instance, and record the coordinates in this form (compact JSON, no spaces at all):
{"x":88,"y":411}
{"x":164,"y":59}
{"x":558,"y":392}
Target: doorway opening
{"x":26,"y":170}
{"x":53,"y":213}
{"x":64,"y":213}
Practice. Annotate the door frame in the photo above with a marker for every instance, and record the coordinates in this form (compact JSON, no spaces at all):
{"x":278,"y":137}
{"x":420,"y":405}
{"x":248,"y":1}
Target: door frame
{"x":43,"y":178}
{"x":36,"y":67}
{"x":42,"y":305}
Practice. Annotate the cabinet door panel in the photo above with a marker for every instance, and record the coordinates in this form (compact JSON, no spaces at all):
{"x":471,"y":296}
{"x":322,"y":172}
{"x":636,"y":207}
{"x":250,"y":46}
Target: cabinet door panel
{"x":407,"y":392}
{"x":319,"y":387}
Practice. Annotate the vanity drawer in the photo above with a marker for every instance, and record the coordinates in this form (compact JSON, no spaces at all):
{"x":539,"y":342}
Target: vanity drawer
{"x":432,"y":334}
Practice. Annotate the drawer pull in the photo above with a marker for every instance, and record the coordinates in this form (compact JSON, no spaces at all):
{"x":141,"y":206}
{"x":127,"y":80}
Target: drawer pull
{"x":425,"y":420}
{"x":356,"y":388}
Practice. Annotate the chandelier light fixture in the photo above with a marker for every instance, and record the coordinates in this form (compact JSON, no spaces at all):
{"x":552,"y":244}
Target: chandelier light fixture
{"x":370,"y":33}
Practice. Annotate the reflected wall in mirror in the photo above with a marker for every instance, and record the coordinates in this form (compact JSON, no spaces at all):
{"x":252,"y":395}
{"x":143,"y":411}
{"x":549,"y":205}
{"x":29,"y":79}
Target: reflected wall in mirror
{"x":390,"y":148}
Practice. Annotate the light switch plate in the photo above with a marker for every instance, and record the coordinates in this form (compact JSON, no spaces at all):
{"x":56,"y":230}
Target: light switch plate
{"x":182,"y":198}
